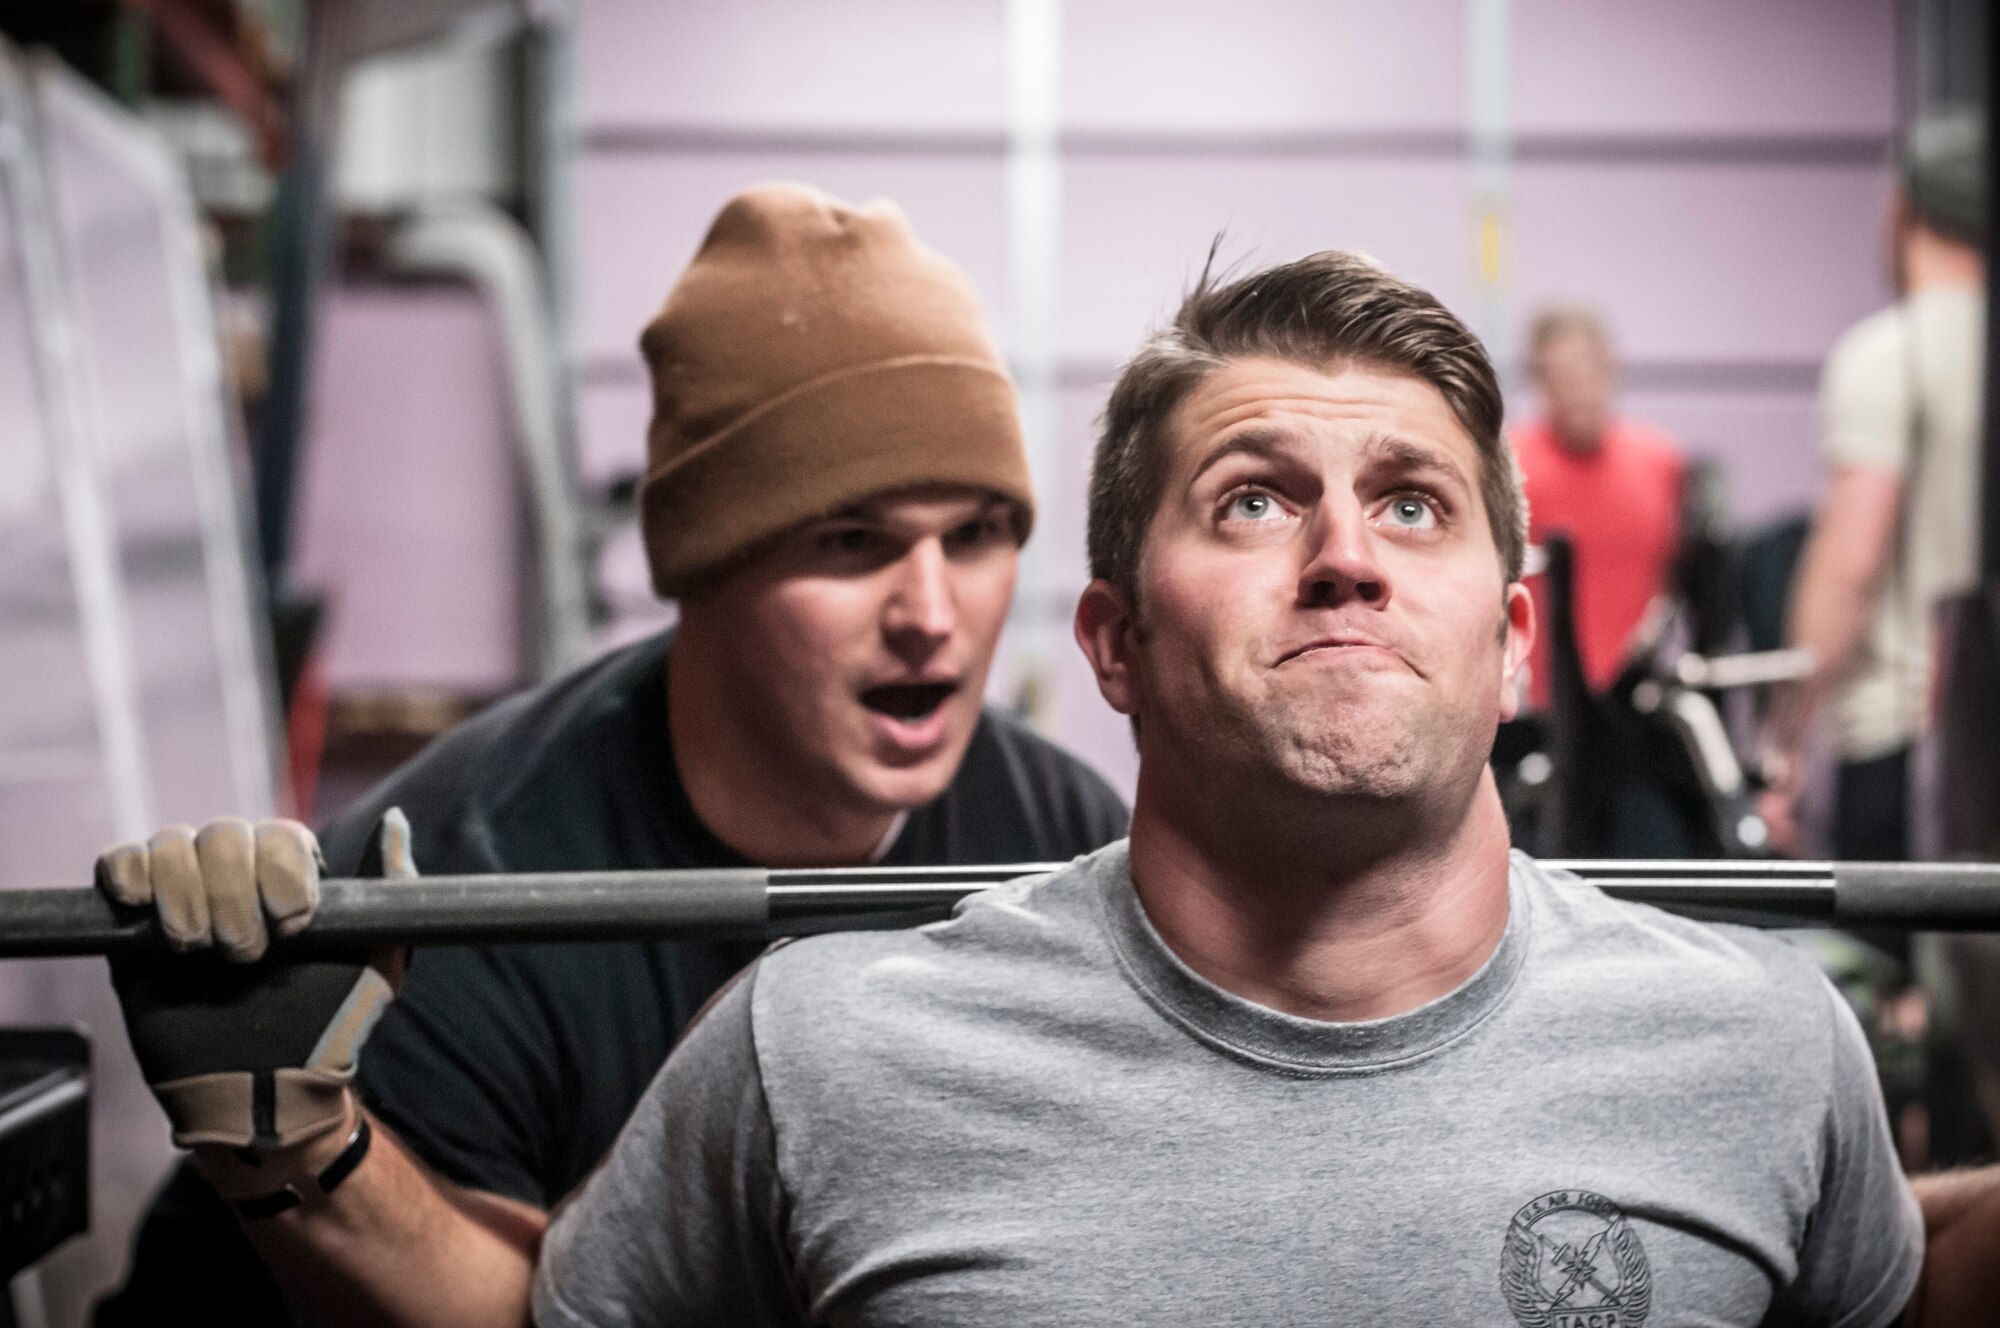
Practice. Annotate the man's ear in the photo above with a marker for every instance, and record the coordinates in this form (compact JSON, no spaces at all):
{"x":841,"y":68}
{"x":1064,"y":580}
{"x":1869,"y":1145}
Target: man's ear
{"x":1518,"y":644}
{"x":1105,"y":630}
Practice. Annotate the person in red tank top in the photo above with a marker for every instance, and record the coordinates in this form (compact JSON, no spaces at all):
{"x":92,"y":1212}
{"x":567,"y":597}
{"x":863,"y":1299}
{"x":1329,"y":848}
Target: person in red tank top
{"x":1612,"y":485}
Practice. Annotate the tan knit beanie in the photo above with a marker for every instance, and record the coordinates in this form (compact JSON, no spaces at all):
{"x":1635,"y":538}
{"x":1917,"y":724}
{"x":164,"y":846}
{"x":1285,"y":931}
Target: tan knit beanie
{"x":812,"y":355}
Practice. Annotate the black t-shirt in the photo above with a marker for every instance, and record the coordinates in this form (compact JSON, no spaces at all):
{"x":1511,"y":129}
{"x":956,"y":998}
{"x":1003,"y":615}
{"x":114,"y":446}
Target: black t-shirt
{"x":511,"y":1068}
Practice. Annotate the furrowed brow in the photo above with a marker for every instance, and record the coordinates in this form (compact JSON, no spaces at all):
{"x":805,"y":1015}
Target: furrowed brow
{"x":1415,"y":459}
{"x":1265,"y":443}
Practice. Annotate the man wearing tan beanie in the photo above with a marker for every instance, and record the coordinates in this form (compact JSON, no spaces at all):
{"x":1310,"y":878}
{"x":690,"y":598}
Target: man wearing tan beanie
{"x":836,"y":493}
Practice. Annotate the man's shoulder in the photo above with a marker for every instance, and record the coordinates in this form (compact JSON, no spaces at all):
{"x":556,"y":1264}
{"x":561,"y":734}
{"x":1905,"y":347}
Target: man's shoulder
{"x":496,"y":758}
{"x":1648,"y":444}
{"x":1042,"y":795}
{"x":1664,"y":963}
{"x":1003,"y":737}
{"x":1682,"y":1015}
{"x":1053,"y":914}
{"x":1871,"y":347}
{"x":1004,"y":955}
{"x":1864,"y":403}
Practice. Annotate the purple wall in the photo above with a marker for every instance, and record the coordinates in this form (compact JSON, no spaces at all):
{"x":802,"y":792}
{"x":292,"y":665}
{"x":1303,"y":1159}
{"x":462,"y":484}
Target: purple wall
{"x":1805,"y":67}
{"x":1708,"y":174}
{"x":409,"y":514}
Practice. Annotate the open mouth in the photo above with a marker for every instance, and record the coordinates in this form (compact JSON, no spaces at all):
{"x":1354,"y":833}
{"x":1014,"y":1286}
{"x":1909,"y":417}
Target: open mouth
{"x":907,"y":700}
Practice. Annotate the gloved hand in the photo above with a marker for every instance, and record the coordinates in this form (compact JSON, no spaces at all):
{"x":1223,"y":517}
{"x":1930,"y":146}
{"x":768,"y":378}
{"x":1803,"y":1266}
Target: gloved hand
{"x":242,"y":1050}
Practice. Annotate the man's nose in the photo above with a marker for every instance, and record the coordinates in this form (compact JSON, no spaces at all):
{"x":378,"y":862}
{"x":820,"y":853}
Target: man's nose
{"x":1341,"y":559}
{"x":921,"y":612}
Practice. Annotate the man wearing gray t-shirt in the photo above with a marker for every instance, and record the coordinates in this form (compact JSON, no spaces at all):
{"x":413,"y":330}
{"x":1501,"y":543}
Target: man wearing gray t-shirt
{"x":1311,"y":1046}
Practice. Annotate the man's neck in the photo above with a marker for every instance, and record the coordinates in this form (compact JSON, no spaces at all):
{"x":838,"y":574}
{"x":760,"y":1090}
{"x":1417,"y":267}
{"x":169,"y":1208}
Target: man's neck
{"x":1936,"y":262}
{"x":1294,"y":923}
{"x":752,"y":798}
{"x":1579,"y":445}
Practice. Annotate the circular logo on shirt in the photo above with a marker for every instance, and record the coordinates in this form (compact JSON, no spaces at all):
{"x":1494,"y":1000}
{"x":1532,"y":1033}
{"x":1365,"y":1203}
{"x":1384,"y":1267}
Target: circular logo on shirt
{"x":1572,"y":1261}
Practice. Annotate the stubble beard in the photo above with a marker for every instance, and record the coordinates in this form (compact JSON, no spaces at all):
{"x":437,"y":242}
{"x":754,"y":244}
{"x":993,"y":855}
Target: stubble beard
{"x":1300,"y":761}
{"x":1292,"y":748}
{"x":1343,"y":754}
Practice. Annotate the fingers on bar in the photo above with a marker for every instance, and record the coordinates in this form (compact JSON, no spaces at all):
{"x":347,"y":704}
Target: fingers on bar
{"x":227,"y":850}
{"x":178,"y":891}
{"x":124,"y":873}
{"x":288,"y":872}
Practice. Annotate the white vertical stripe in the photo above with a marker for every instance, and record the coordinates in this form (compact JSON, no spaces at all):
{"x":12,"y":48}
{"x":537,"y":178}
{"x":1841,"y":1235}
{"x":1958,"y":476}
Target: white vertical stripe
{"x":73,"y":433}
{"x":1033,"y":61}
{"x":249,"y":702}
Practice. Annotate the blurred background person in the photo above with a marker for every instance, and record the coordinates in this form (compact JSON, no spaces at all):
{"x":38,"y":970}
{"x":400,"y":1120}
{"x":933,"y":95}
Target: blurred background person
{"x":1610,"y":484}
{"x":1895,"y":532}
{"x":1898,"y":526}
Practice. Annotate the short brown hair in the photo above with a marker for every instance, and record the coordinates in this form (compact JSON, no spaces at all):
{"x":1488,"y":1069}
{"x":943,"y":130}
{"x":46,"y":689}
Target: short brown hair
{"x":1327,"y":308}
{"x":1562,"y":320}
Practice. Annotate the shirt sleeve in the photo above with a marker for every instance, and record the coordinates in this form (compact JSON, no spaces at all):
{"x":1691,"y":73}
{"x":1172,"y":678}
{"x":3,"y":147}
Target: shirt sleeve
{"x":684,"y":1221}
{"x":459,"y":1066}
{"x":464,"y":1067}
{"x":1864,"y":1243}
{"x":1865,"y":398}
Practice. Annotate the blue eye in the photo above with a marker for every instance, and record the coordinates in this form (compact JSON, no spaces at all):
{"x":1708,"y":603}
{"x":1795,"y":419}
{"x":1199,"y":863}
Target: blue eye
{"x":1254,"y":507}
{"x":1411,"y":513}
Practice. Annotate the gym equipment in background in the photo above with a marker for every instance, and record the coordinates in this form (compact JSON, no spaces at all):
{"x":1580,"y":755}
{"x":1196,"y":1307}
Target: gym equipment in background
{"x":44,"y":1142}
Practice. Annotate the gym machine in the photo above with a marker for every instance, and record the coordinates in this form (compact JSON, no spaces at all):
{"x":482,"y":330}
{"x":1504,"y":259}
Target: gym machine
{"x":44,"y":1145}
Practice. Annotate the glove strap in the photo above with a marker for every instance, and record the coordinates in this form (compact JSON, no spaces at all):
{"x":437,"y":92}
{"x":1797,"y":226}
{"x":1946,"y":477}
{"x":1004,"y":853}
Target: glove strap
{"x":288,"y":1197}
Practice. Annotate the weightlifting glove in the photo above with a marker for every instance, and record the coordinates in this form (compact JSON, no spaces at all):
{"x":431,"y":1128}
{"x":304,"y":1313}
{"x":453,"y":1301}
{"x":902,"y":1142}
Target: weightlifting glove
{"x":243,"y":1050}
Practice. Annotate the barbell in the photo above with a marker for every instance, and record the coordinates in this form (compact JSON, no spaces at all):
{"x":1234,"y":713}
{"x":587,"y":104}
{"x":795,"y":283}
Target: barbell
{"x":751,"y":902}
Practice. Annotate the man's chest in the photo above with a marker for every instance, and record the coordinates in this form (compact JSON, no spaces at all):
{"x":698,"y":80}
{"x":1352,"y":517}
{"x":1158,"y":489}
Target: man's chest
{"x":1317,"y":1202}
{"x":1616,"y":511}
